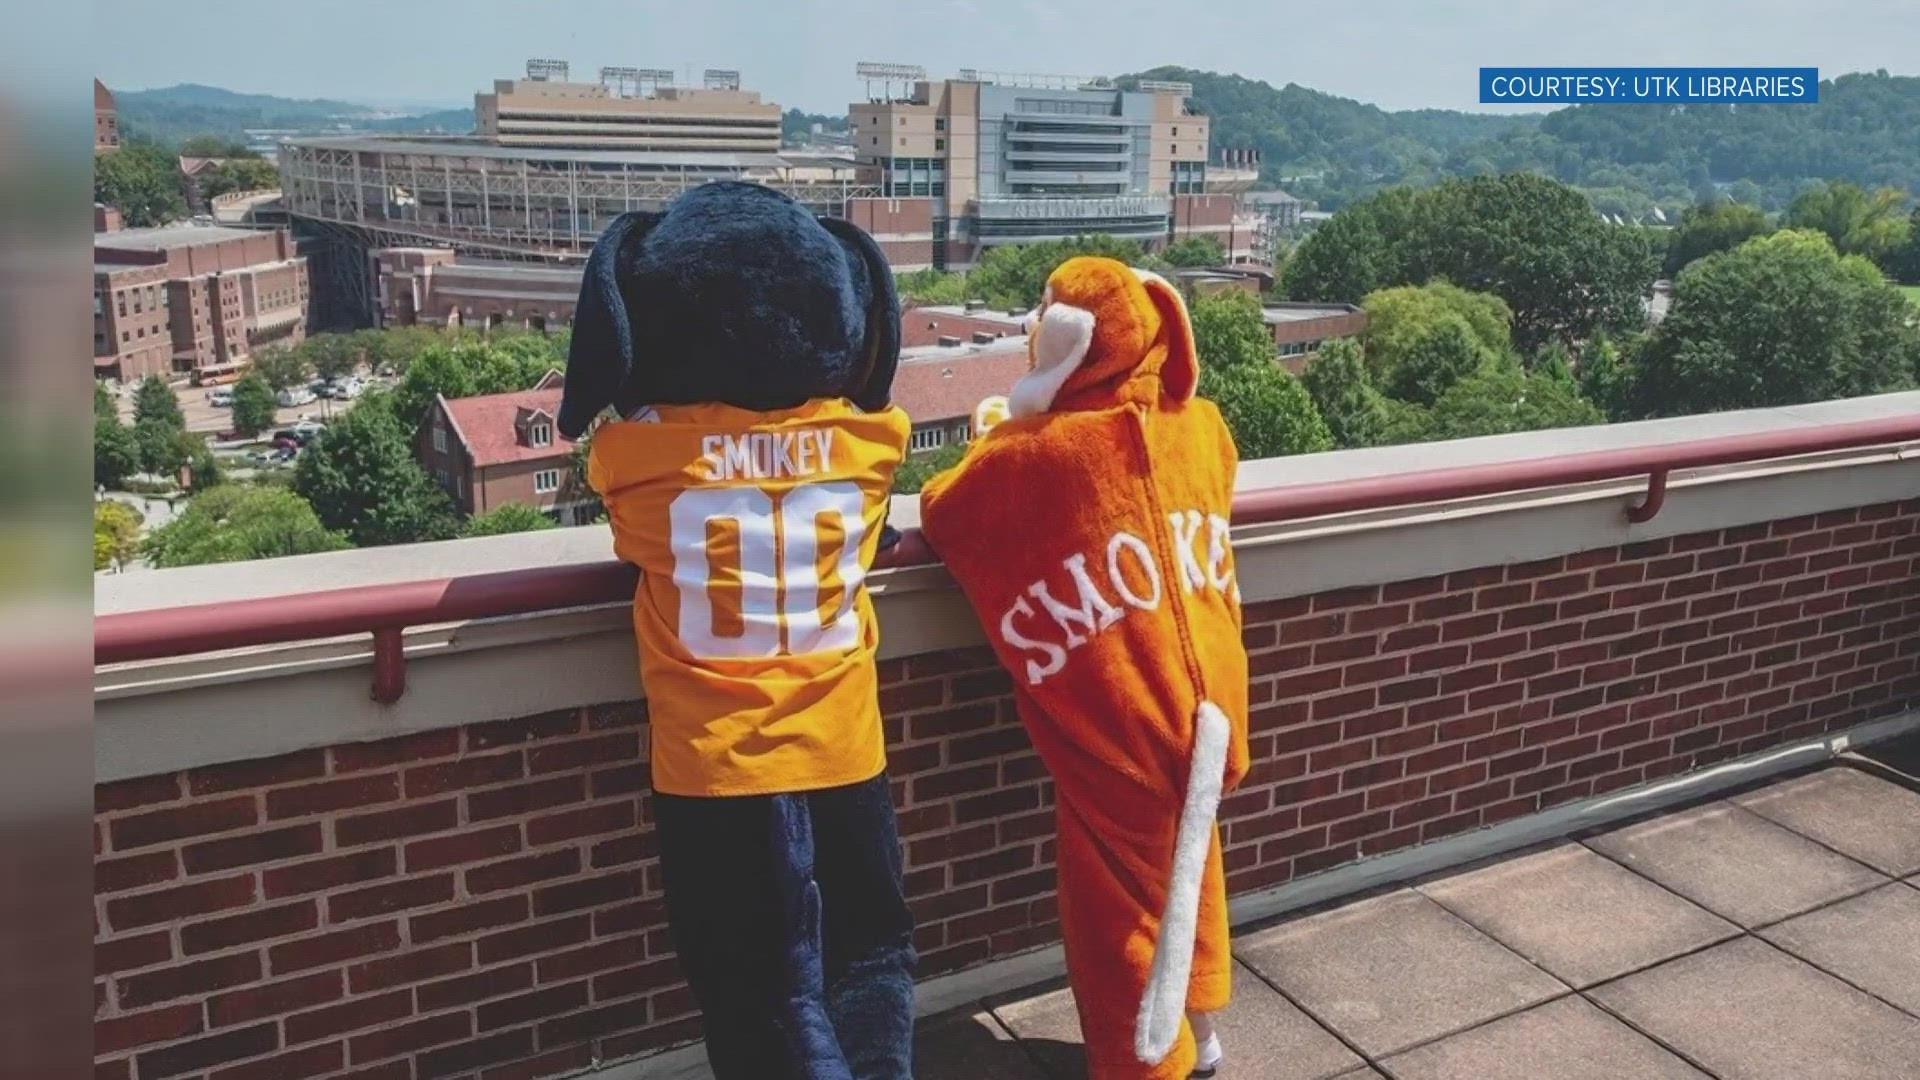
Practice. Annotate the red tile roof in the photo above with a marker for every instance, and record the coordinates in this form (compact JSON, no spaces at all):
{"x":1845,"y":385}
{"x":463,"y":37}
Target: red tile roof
{"x":948,"y":387}
{"x":486,"y":426}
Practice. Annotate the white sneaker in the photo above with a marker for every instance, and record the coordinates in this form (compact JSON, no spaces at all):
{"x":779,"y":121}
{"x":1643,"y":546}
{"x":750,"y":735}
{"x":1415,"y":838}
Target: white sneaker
{"x":1210,"y":1056}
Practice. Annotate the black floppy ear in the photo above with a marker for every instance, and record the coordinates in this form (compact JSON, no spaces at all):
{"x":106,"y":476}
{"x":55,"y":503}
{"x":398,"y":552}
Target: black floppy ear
{"x":601,"y":355}
{"x":883,"y":315}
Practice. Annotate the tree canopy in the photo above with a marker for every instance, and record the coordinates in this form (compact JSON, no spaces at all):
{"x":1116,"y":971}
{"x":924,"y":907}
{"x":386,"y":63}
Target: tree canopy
{"x":1780,"y":320}
{"x":1229,"y":330}
{"x":1014,"y":276}
{"x":1266,"y":408}
{"x":507,"y":518}
{"x":1859,"y":222}
{"x":116,"y":534}
{"x":142,"y":181}
{"x":1707,"y":227}
{"x":1629,"y":159}
{"x":1342,"y":389}
{"x":253,"y":405}
{"x":464,"y":368}
{"x":361,"y":478}
{"x":1537,"y":244}
{"x":233,"y":524}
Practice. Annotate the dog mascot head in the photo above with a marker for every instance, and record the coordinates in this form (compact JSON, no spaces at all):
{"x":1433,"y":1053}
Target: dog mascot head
{"x":734,"y":294}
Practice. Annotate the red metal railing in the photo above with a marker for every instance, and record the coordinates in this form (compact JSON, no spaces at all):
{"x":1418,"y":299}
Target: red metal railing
{"x":386,"y":610}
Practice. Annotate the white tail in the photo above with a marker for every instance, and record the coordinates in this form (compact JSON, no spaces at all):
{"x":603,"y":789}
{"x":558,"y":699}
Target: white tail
{"x":1164,"y":1004}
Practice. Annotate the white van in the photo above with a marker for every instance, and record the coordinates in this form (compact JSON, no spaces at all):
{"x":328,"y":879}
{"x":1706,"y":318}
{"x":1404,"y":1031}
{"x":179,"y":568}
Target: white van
{"x":293,"y":396}
{"x":220,"y":397}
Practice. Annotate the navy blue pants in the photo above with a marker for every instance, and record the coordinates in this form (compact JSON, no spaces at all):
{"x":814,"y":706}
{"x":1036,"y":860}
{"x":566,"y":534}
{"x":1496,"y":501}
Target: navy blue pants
{"x":789,"y":918}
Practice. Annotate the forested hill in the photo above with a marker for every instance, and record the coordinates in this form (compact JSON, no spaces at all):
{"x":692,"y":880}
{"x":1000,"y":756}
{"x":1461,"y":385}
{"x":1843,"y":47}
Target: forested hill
{"x":175,"y":113}
{"x":1629,"y":158}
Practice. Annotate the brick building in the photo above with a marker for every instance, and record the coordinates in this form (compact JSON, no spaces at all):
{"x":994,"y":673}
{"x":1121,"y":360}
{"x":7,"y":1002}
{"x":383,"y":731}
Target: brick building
{"x":220,"y":295}
{"x":431,"y":286}
{"x":106,"y":119}
{"x":496,"y":449}
{"x":939,"y":386}
{"x":1300,"y":329}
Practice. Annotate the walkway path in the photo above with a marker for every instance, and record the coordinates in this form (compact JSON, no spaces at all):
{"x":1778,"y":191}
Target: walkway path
{"x":1775,"y":934}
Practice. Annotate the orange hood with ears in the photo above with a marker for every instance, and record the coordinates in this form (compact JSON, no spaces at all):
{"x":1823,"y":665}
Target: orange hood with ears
{"x":1105,"y":335}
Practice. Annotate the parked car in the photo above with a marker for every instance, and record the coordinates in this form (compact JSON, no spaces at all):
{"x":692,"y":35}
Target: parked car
{"x":308,"y":430}
{"x":286,"y":439}
{"x":348,"y":388}
{"x":284,"y":456}
{"x":293,"y":396}
{"x":220,"y":397}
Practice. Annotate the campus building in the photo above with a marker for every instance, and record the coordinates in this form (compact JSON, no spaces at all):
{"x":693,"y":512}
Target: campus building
{"x":985,"y":158}
{"x":496,"y":449}
{"x":106,"y":119}
{"x":627,"y":109}
{"x":193,"y":300}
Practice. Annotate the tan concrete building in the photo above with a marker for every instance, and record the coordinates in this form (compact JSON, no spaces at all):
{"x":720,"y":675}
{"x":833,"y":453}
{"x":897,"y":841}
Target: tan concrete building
{"x":627,"y":109}
{"x":1006,"y":159}
{"x":210,"y":296}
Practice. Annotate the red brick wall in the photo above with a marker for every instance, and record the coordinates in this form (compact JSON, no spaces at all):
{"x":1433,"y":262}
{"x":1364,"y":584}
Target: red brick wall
{"x":484,"y":901}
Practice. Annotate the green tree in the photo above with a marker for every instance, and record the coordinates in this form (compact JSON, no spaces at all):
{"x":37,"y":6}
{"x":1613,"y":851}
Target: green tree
{"x":1443,"y":356}
{"x":932,"y":287}
{"x":1707,"y":227}
{"x":283,"y":367}
{"x":1400,"y":318}
{"x":238,"y":175}
{"x":161,"y":447}
{"x":1015,"y":275}
{"x":155,"y":401}
{"x":467,"y":368}
{"x":1344,"y":259}
{"x":116,"y":453}
{"x":1229,"y":330}
{"x":507,"y":518}
{"x":333,"y":356}
{"x":142,"y":181}
{"x":253,"y":405}
{"x":204,"y":471}
{"x":914,"y":472}
{"x":1780,"y":320}
{"x":1605,"y":377}
{"x":1266,"y":408}
{"x":234,"y":524}
{"x":361,"y":478}
{"x":1501,"y":397}
{"x":116,"y":534}
{"x":391,"y":351}
{"x":1859,"y":222}
{"x":1904,"y":264}
{"x":1356,"y":414}
{"x":104,"y":405}
{"x":1195,"y":251}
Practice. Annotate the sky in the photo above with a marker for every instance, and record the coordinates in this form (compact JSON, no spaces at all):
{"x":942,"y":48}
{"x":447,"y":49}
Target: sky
{"x":1398,"y":54}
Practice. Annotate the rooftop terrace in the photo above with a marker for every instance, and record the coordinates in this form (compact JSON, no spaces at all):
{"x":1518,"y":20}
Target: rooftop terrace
{"x":385,"y":812}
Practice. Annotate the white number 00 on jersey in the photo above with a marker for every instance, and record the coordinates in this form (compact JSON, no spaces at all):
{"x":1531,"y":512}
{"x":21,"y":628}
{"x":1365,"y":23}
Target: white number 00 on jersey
{"x":760,"y":575}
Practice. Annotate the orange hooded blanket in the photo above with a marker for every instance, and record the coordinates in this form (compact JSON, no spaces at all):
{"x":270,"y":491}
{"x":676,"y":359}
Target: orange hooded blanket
{"x":1089,"y":531}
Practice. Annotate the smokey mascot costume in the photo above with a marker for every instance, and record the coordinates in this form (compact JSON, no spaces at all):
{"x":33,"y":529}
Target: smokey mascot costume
{"x":1112,"y":600}
{"x":747,"y":349}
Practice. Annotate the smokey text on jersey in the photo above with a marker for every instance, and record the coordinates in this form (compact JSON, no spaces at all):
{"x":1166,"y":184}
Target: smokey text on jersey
{"x":768,"y":455}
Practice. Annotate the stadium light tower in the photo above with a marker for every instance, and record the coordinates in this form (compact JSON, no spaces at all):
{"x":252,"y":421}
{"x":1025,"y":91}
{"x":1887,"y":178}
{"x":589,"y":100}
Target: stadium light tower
{"x":886,"y":75}
{"x":547,"y":70}
{"x":722,"y":79}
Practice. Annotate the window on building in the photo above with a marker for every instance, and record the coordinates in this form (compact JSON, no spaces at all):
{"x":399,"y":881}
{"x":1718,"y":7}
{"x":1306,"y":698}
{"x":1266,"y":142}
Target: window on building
{"x":546,"y":481}
{"x":939,"y":144}
{"x":120,"y":303}
{"x":928,"y":439}
{"x":939,"y":123}
{"x":125,"y":337}
{"x":439,"y":437}
{"x":540,"y":435}
{"x":903,"y":121}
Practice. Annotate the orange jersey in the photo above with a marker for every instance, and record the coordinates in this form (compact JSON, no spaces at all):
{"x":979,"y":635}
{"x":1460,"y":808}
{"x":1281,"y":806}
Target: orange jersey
{"x":753,"y":533}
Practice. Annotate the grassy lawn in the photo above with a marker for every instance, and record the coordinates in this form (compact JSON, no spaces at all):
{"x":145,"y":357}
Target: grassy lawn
{"x":1912,"y":291}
